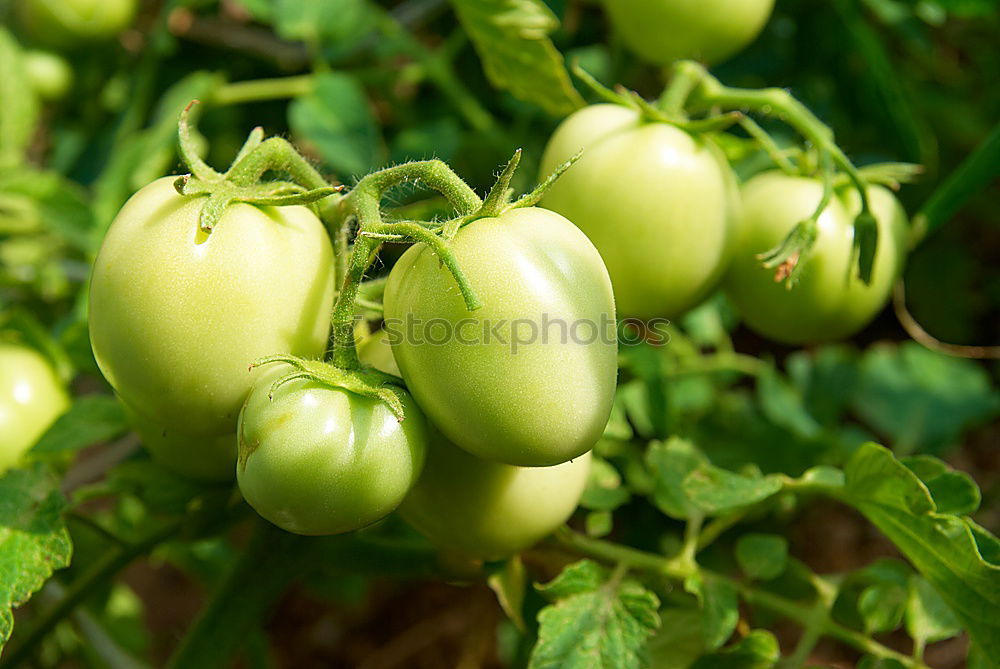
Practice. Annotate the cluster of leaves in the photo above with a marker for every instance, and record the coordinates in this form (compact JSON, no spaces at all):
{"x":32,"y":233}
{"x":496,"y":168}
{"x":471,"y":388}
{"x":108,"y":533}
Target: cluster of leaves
{"x":687,"y":555}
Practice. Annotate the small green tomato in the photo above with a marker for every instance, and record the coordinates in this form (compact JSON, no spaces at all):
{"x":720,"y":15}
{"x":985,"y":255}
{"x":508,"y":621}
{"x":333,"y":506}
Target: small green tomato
{"x":31,"y":398}
{"x":315,"y":459}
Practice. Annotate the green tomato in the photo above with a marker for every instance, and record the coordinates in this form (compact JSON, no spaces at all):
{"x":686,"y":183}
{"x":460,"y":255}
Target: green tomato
{"x":659,"y":204}
{"x":829,"y":302}
{"x":177,"y":315}
{"x":476,"y":508}
{"x":529,"y":378}
{"x":489,"y":510}
{"x":71,"y":23}
{"x":31,"y":398}
{"x":662,"y":31}
{"x":319,"y":460}
{"x":48,"y":74}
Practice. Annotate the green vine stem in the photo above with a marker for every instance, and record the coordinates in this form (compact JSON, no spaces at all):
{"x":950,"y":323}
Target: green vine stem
{"x":695,"y":89}
{"x":816,"y":618}
{"x":85,"y":586}
{"x":364,"y":205}
{"x":260,"y":90}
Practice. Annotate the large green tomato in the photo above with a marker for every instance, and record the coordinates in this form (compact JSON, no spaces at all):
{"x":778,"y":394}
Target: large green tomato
{"x":477,"y":508}
{"x":829,"y":302}
{"x":490,"y":510}
{"x":662,"y":31}
{"x":529,"y":378}
{"x":71,"y":23}
{"x":658,"y":203}
{"x":320,"y":460}
{"x":31,"y":398}
{"x":177,"y":315}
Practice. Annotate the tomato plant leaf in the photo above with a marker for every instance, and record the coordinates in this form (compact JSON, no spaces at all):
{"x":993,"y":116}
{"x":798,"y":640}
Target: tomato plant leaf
{"x":946,"y":549}
{"x":34,"y":541}
{"x":671,"y":462}
{"x":678,"y":642}
{"x":922,"y":400}
{"x":954,"y":492}
{"x":757,"y":650}
{"x":511,"y":37}
{"x":598,"y":620}
{"x":715,"y":490}
{"x":336,"y":120}
{"x":604,"y":490}
{"x":783,"y":405}
{"x":508,"y":582}
{"x":762,"y":556}
{"x":719,"y":608}
{"x":928,"y":617}
{"x":91,"y":419}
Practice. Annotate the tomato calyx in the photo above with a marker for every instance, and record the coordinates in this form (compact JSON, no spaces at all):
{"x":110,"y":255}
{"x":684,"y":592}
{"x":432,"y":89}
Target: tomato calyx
{"x":366,"y":382}
{"x":241,"y":182}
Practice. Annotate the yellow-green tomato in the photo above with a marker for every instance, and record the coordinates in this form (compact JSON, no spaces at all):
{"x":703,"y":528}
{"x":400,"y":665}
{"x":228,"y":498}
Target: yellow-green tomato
{"x":659,"y":204}
{"x":529,"y":378}
{"x":487,"y":509}
{"x":829,"y":302}
{"x":178,"y":315}
{"x":200,"y":457}
{"x":71,"y":23}
{"x":31,"y":398}
{"x":320,"y":460}
{"x":49,"y":74}
{"x":662,"y":31}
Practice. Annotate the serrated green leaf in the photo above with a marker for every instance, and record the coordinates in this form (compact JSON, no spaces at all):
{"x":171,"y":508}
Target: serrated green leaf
{"x":762,"y":556}
{"x":598,"y":621}
{"x":944,"y":548}
{"x":20,"y":108}
{"x":336,"y":119}
{"x":34,"y":541}
{"x":92,"y":419}
{"x":715,"y":490}
{"x":670,"y":463}
{"x":928,"y":618}
{"x":757,"y":650}
{"x":678,"y":642}
{"x":512,"y":39}
{"x":720,"y":611}
{"x":329,"y":21}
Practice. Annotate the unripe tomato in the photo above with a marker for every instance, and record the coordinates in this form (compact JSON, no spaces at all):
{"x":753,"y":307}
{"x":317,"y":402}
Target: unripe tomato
{"x":178,"y":315}
{"x":31,"y":398}
{"x":829,"y":302}
{"x":659,"y":204}
{"x":662,"y":31}
{"x":320,"y":460}
{"x":70,"y":23}
{"x":487,"y":509}
{"x":49,"y":75}
{"x":529,"y":378}
{"x":476,"y":508}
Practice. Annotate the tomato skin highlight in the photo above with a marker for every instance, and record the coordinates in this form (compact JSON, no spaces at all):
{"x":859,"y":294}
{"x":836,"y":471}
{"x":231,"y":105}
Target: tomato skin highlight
{"x":536,"y":404}
{"x":662,"y":31}
{"x":66,"y":24}
{"x":659,"y":204}
{"x":317,"y":460}
{"x":31,"y":399}
{"x":829,"y":302}
{"x":177,"y":315}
